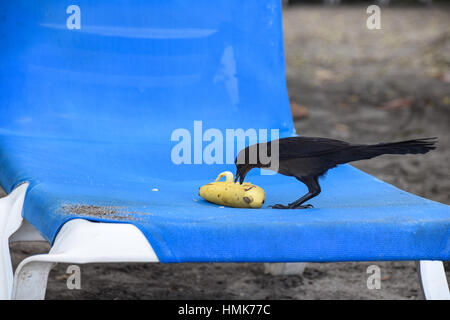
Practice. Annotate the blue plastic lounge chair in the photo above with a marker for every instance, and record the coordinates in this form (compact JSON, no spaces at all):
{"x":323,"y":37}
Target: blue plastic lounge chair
{"x":91,"y":96}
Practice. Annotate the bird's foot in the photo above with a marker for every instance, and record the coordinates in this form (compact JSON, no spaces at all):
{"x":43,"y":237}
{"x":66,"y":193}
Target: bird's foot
{"x":279,"y":206}
{"x":292,"y":206}
{"x":306,"y":206}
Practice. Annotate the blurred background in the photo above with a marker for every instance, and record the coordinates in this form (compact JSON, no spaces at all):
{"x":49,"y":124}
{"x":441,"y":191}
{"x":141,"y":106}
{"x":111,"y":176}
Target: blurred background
{"x":346,"y":82}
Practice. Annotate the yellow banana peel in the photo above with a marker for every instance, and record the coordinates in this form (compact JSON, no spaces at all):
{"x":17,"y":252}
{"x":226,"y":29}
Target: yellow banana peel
{"x":228,"y":193}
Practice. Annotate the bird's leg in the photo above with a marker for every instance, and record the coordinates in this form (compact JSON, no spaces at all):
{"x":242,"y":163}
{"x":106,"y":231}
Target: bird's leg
{"x":313,"y":190}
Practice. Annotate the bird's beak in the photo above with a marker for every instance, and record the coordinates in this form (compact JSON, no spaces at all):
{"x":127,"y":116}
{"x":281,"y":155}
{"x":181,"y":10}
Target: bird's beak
{"x":236,"y":176}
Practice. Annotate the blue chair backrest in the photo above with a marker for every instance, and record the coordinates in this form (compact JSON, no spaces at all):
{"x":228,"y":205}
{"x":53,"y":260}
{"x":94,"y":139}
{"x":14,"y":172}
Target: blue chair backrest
{"x":137,"y":70}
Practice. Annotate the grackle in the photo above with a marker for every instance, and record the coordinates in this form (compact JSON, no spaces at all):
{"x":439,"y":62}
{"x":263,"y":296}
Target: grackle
{"x":308,"y":158}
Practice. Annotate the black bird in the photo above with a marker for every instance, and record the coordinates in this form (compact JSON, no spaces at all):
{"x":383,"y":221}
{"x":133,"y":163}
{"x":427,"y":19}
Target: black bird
{"x":308,"y":158}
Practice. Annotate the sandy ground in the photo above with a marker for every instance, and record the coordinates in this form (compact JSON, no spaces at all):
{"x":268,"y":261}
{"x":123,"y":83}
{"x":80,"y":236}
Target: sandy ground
{"x":346,"y":82}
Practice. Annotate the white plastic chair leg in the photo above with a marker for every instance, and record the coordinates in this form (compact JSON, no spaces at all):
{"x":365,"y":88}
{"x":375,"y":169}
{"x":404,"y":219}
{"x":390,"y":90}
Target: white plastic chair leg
{"x":31,"y":281}
{"x":10,"y":220}
{"x":80,"y":241}
{"x":433,"y":280}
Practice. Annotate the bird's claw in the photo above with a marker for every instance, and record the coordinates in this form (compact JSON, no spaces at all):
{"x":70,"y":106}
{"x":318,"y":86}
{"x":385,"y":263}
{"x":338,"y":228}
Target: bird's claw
{"x":306,"y":206}
{"x":279,"y":206}
{"x":291,"y":206}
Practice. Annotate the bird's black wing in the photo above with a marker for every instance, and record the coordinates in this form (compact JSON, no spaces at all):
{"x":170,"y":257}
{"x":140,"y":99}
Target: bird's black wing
{"x":306,"y":147}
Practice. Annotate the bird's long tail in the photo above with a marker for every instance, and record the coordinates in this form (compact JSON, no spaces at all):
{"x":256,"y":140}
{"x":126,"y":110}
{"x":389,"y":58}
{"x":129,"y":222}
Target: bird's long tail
{"x":361,"y":152}
{"x":403,"y":147}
